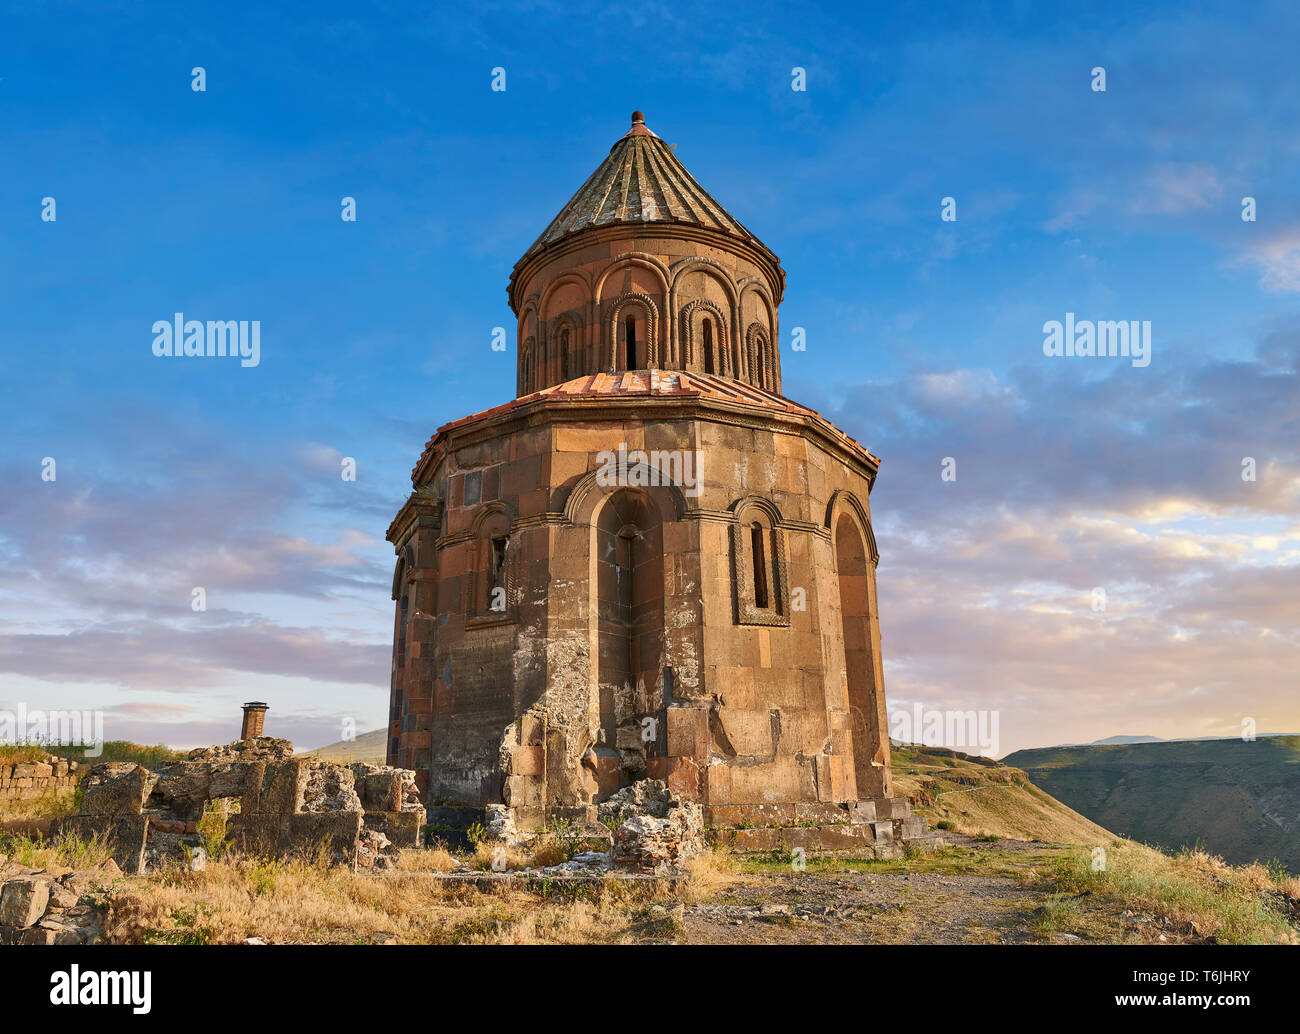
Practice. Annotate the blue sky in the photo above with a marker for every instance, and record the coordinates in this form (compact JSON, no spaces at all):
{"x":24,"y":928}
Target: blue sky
{"x":924,"y":337}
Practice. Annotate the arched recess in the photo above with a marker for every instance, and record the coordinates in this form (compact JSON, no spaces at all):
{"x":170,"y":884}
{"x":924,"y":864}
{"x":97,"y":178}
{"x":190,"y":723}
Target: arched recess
{"x":566,"y":302}
{"x":694,"y":349}
{"x":627,"y":613}
{"x":566,"y":349}
{"x":842,"y":499}
{"x":633,"y":325}
{"x":717,"y":275}
{"x":759,"y":563}
{"x":744,"y":315}
{"x":525,"y":337}
{"x":861,"y":641}
{"x":574,"y":277}
{"x":530,"y":359}
{"x":594,"y":486}
{"x":632,"y":260}
{"x":758,"y":347}
{"x":489,"y":584}
{"x":401,"y":597}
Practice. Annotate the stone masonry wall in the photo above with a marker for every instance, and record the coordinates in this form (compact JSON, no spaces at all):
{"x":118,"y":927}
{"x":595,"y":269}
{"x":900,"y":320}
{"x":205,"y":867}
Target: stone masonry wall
{"x":746,"y":707}
{"x":34,"y":779}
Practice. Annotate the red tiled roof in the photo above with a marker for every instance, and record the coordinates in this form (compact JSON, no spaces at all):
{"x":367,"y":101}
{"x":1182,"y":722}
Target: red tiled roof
{"x":652,"y":384}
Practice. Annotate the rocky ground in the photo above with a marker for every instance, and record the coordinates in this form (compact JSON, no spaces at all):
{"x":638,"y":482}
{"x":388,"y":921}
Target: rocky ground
{"x":856,"y":902}
{"x":861,"y":908}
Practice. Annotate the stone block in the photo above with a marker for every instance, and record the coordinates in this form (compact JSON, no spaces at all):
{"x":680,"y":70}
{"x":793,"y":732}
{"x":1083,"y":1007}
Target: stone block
{"x":116,"y":788}
{"x":527,"y":761}
{"x":403,"y":828}
{"x":281,"y":790}
{"x":748,"y":733}
{"x":23,"y":901}
{"x":688,"y":731}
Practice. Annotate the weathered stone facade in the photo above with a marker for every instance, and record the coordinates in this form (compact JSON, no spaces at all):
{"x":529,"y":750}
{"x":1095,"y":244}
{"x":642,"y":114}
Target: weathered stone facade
{"x":650,"y":563}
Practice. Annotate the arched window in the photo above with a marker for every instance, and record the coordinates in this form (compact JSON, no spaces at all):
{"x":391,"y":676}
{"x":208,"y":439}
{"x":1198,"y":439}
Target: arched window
{"x":756,"y":535}
{"x":709,"y":364}
{"x":528,"y":364}
{"x":629,"y":342}
{"x":564,"y":354}
{"x":759,"y":588}
{"x":496,"y":582}
{"x":490,"y":584}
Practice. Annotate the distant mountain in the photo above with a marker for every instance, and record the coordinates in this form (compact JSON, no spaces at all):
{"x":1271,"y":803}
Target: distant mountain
{"x":369,"y":746}
{"x":1239,"y":800}
{"x":1126,"y":739}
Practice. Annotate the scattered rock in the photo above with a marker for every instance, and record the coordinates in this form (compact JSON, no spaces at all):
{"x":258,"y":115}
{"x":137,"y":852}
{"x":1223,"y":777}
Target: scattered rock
{"x":23,"y":901}
{"x":62,"y":896}
{"x":501,"y":825}
{"x":658,"y":830}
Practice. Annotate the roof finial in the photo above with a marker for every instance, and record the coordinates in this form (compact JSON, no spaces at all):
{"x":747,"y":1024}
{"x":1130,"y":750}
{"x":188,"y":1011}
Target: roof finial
{"x":638,"y":117}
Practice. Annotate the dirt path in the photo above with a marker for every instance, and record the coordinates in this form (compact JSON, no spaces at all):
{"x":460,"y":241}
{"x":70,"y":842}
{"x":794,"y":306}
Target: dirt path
{"x":861,"y":908}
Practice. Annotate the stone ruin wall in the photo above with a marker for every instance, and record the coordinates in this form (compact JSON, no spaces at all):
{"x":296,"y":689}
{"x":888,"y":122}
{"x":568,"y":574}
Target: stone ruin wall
{"x":280,"y":805}
{"x":36,"y":779}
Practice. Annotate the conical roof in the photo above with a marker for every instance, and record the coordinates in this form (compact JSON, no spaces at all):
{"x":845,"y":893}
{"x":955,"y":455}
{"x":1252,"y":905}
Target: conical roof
{"x":641,"y":182}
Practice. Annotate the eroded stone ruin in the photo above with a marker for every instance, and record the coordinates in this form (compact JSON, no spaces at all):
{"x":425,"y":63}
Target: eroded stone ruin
{"x":276,"y":805}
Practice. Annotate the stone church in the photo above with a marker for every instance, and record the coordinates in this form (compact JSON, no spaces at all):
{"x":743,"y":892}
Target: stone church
{"x":650,"y":562}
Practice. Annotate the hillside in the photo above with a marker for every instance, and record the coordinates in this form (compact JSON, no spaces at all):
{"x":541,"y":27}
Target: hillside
{"x":1238,"y":800}
{"x":983,"y":797}
{"x":369,"y":746}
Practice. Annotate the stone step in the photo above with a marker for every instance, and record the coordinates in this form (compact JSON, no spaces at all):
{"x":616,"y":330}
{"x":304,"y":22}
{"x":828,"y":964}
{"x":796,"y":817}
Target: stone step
{"x":861,"y":840}
{"x":911,"y":827}
{"x":925,"y":844}
{"x":892,"y":807}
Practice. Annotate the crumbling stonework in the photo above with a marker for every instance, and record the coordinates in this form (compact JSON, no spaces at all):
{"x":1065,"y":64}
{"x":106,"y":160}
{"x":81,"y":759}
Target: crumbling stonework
{"x":276,"y":804}
{"x":32,"y":780}
{"x":654,"y":827}
{"x":650,"y":564}
{"x":51,"y":906}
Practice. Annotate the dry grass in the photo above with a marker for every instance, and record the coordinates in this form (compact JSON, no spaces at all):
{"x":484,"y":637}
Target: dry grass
{"x":38,"y":809}
{"x":22,"y":753}
{"x":68,"y":849}
{"x":1233,"y":904}
{"x":710,"y":873}
{"x":431,"y":859}
{"x":307,"y":902}
{"x":547,"y":851}
{"x":979,"y":799}
{"x":488,"y":856}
